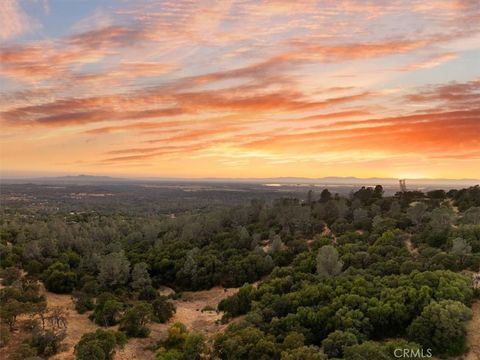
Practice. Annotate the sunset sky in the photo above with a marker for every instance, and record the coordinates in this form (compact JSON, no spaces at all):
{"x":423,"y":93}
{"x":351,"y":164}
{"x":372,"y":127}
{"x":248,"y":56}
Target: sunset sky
{"x":240,"y":88}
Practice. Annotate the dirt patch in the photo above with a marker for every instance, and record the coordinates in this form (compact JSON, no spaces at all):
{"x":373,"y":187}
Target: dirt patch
{"x":77,"y":324}
{"x":473,"y":334}
{"x":189,"y":312}
{"x":411,"y":249}
{"x":189,"y":309}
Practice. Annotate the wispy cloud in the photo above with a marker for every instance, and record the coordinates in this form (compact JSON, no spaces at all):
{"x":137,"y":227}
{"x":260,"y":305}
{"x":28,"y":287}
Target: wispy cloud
{"x":14,"y":20}
{"x":274,"y":83}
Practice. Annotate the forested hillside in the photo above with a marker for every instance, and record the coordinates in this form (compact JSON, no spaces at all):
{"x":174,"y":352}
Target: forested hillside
{"x":322,"y":277}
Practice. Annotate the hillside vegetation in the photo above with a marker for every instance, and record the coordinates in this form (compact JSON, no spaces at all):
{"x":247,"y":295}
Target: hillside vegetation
{"x":323,"y":277}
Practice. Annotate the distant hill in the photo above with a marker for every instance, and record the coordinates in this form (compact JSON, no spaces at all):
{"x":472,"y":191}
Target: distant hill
{"x":327,"y":181}
{"x":69,"y":179}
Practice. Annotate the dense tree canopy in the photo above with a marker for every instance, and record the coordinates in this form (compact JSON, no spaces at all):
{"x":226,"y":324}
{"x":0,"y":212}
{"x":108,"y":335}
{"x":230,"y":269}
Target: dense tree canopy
{"x":329,"y":276}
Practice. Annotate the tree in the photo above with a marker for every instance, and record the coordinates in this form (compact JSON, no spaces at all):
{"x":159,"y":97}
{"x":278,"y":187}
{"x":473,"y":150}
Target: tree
{"x":177,"y":333}
{"x":114,"y":269}
{"x":194,"y":347}
{"x":98,"y":345}
{"x":361,"y":219}
{"x":277,"y":244}
{"x":304,"y":353}
{"x":461,"y":248}
{"x":189,"y":272}
{"x":378,"y":191}
{"x":244,"y":237}
{"x":140,"y":277}
{"x":328,"y":263}
{"x":9,"y":312}
{"x":366,"y":351}
{"x":442,"y":327}
{"x":171,"y":354}
{"x":9,"y":275}
{"x":417,"y":213}
{"x":395,"y":209}
{"x":238,"y":303}
{"x":472,"y":216}
{"x":135,"y":320}
{"x":337,"y":341}
{"x":325,"y":196}
{"x":47,"y":342}
{"x":162,"y":310}
{"x":441,"y":219}
{"x":59,"y":279}
{"x":107,"y":312}
{"x":57,"y":318}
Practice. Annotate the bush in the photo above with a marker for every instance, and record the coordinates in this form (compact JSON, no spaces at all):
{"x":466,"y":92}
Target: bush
{"x":83,"y":303}
{"x":237,"y":304}
{"x":442,"y":327}
{"x":162,"y":310}
{"x":59,"y":279}
{"x":98,"y":345}
{"x":47,"y":342}
{"x":107,"y":312}
{"x":10,"y":275}
{"x":367,"y":351}
{"x":135,"y":320}
{"x":336,"y":342}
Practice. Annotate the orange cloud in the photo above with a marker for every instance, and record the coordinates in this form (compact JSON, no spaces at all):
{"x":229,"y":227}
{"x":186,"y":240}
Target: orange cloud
{"x":242,"y":83}
{"x":430,"y":62}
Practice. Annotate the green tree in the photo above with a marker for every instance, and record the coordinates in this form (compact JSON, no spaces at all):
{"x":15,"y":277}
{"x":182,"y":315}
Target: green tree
{"x":9,"y":311}
{"x":328,"y":262}
{"x":194,"y":347}
{"x":325,"y":196}
{"x":9,"y":275}
{"x":140,"y":277}
{"x":162,"y":310}
{"x":461,"y":249}
{"x":98,"y":345}
{"x":59,"y":279}
{"x":135,"y":320}
{"x":417,"y":213}
{"x":442,"y":327}
{"x":367,"y":351}
{"x":304,"y":353}
{"x":337,"y":341}
{"x":107,"y":312}
{"x":114,"y":269}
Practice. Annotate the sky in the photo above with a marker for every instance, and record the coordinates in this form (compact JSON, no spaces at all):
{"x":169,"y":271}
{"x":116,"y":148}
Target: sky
{"x":240,"y":88}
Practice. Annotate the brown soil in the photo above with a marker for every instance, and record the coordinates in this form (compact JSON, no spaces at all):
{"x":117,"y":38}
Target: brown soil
{"x":189,"y":312}
{"x":411,"y":249}
{"x":189,"y":309}
{"x":77,"y":324}
{"x":473,"y":335}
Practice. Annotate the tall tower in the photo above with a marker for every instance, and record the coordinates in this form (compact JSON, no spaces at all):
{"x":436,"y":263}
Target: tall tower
{"x":403,"y":185}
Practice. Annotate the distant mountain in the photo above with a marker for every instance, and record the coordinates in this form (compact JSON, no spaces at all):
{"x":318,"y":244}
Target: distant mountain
{"x":329,"y":180}
{"x":69,"y":179}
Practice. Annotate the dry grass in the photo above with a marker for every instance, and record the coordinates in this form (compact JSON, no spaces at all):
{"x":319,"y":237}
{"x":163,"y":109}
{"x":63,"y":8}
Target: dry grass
{"x":77,"y":324}
{"x":189,"y":312}
{"x":189,"y":309}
